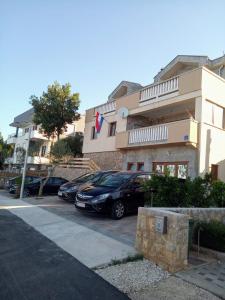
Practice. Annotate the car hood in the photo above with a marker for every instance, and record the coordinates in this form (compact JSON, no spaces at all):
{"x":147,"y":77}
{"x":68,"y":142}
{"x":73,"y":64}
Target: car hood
{"x":68,"y":185}
{"x":94,"y":191}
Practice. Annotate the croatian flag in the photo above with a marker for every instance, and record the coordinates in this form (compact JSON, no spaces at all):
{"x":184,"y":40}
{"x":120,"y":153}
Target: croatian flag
{"x":98,"y":122}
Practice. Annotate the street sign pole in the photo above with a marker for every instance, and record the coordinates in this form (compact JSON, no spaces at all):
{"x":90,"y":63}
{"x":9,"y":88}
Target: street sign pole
{"x":25,"y":165}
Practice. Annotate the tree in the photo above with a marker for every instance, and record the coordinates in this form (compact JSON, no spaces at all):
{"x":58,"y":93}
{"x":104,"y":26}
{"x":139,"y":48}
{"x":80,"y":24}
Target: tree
{"x":60,"y":151}
{"x":75,"y":143}
{"x":5,"y":151}
{"x":55,"y":109}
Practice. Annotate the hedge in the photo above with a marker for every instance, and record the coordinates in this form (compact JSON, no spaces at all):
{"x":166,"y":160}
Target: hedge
{"x":174,"y":192}
{"x":212,"y":235}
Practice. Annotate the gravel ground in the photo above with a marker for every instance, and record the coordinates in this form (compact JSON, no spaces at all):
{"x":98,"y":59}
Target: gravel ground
{"x":133,"y":276}
{"x":143,"y":280}
{"x":172,"y":288}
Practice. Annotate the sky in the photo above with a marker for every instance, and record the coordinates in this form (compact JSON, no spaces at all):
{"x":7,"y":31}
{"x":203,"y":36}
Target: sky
{"x":96,"y":44}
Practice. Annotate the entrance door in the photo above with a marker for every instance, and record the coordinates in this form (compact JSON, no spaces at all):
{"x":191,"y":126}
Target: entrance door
{"x":214,"y":172}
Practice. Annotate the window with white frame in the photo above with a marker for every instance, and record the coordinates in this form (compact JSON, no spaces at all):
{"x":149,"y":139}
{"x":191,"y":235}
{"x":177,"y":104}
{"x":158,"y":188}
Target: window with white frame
{"x":214,"y":114}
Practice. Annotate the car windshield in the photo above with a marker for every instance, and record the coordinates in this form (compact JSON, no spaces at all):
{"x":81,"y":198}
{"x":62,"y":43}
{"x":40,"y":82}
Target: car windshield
{"x":37,"y":180}
{"x":84,"y":178}
{"x":115,"y":181}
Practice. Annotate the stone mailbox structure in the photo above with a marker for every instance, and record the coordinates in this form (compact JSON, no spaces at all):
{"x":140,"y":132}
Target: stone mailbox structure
{"x":162,"y":237}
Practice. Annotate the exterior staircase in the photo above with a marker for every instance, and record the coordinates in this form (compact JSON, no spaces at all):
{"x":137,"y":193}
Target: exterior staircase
{"x":80,"y":163}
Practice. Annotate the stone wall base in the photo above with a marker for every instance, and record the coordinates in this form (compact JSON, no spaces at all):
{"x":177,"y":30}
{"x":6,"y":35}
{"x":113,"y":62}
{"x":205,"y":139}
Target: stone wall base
{"x":108,"y":160}
{"x":69,"y":173}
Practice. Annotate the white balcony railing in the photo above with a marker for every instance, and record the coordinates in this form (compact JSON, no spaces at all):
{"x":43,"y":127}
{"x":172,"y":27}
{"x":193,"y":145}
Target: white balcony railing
{"x":106,"y":107}
{"x":159,"y":89}
{"x":148,"y":134}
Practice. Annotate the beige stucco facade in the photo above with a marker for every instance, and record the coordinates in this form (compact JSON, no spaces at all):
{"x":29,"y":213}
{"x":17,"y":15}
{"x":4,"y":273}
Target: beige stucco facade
{"x":183,"y":114}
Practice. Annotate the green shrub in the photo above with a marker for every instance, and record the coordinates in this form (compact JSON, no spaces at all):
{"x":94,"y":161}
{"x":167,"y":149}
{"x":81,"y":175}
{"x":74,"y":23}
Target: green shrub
{"x":212,"y":235}
{"x":199,"y":193}
{"x":174,"y":192}
{"x":217,"y":194}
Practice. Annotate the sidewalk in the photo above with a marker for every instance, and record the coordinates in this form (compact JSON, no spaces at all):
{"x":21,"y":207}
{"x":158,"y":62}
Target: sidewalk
{"x":88,"y":246}
{"x":32,"y":268}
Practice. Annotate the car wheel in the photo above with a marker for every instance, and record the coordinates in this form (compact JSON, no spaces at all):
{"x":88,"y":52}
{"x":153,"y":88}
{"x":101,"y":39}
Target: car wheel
{"x":118,"y":210}
{"x":26,"y":193}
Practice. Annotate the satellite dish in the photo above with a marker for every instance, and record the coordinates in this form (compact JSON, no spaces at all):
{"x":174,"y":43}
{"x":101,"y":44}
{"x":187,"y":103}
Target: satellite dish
{"x":123,"y":112}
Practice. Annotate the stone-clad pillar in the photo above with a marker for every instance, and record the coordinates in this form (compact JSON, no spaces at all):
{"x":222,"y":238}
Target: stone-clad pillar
{"x":167,"y":248}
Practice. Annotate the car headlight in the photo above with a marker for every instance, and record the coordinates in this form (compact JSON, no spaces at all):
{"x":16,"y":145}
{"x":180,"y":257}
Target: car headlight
{"x":72,"y":189}
{"x":100,"y":198}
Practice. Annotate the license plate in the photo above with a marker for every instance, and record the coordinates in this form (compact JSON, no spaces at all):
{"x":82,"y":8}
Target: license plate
{"x":59,"y":193}
{"x":80,"y":204}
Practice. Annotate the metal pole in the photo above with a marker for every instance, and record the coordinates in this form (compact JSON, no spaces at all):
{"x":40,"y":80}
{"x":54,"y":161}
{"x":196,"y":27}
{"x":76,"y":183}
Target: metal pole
{"x":25,"y":165}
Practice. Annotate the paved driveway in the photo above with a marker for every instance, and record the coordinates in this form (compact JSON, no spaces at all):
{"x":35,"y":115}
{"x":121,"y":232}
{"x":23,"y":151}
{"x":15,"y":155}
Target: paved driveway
{"x":123,"y":230}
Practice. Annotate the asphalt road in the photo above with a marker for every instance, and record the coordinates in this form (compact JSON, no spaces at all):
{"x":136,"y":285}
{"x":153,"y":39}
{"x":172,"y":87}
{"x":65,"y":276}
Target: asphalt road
{"x":32,"y":267}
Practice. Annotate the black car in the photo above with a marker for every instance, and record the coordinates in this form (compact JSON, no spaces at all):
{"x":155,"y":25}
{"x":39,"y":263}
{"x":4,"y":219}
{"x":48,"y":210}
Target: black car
{"x":50,"y":188}
{"x":68,"y":191}
{"x":117,"y":194}
{"x":10,"y":183}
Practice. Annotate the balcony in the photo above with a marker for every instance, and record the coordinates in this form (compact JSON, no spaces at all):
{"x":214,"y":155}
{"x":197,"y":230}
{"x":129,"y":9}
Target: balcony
{"x":105,"y":108}
{"x":11,"y":139}
{"x":179,"y":132}
{"x":35,"y":134}
{"x":37,"y":160}
{"x":8,"y":160}
{"x":154,"y":91}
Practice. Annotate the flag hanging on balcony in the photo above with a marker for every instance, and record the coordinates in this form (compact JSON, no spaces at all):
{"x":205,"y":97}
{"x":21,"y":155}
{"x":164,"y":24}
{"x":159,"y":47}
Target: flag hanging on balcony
{"x":98,"y":122}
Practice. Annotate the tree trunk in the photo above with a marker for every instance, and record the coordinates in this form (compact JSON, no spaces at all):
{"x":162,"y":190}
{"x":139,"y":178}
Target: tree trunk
{"x":42,"y":184}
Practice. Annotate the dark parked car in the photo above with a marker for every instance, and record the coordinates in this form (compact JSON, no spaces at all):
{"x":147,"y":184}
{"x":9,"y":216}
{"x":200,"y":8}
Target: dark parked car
{"x":68,"y":191}
{"x":117,"y":194}
{"x":9,"y":185}
{"x":50,"y":188}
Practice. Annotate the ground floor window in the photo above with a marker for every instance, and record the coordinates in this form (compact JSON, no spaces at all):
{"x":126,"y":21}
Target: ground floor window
{"x":140,"y":166}
{"x":178,"y":169}
{"x":133,"y":166}
{"x":43,"y":151}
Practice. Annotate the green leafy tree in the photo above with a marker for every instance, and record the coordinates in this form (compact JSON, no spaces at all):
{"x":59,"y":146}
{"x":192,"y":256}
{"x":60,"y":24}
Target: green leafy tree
{"x":75,"y":143}
{"x":217,"y":195}
{"x":60,"y":151}
{"x":5,"y":151}
{"x":55,"y":109}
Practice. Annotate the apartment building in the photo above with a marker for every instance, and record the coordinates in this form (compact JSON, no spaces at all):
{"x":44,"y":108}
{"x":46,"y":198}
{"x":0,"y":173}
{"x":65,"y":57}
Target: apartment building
{"x":176,"y":123}
{"x":23,"y":124}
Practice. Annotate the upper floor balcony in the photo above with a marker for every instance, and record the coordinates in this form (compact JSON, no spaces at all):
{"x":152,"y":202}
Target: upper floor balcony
{"x":11,"y":139}
{"x":105,"y":108}
{"x":179,"y":132}
{"x":157,"y":90}
{"x":35,"y":134}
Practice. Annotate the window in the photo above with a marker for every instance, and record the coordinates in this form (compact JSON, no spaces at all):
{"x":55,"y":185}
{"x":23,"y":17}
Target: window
{"x":178,"y":169}
{"x":43,"y":151}
{"x":140,"y":166}
{"x":214,"y":114}
{"x":112,"y":129}
{"x":26,"y":130}
{"x":34,"y":127}
{"x":131,"y":166}
{"x":93,"y":133}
